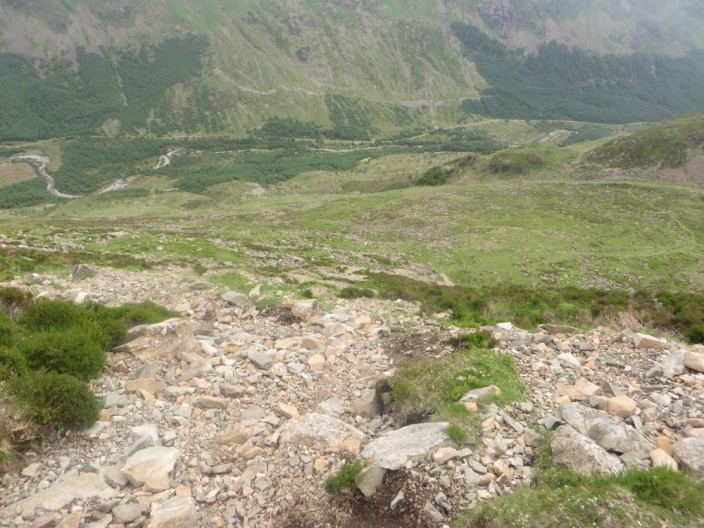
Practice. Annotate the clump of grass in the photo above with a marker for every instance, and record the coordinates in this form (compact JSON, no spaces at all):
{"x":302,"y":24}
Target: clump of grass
{"x":344,"y":479}
{"x":528,"y":307}
{"x":12,"y":363}
{"x":430,"y":388}
{"x":480,"y":339}
{"x":457,"y":434}
{"x":434,"y":176}
{"x":653,"y":497}
{"x":351,"y":292}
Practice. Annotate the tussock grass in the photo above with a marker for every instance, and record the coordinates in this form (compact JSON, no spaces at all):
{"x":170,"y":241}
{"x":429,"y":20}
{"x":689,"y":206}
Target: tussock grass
{"x":529,"y":307}
{"x":430,"y":388}
{"x":559,"y":497}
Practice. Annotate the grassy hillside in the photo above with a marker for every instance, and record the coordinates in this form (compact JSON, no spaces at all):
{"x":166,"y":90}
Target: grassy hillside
{"x":540,"y":215}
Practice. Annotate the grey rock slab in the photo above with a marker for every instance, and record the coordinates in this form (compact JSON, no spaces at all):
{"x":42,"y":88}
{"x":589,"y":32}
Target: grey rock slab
{"x":235,"y":298}
{"x":68,"y":488}
{"x":151,"y":466}
{"x":210,"y":402}
{"x":609,"y":432}
{"x":332,"y":407}
{"x":114,"y":399}
{"x":314,"y":429}
{"x":126,"y":513}
{"x":581,"y":453}
{"x":648,"y":342}
{"x":173,"y":337}
{"x":689,"y":453}
{"x":115,"y":478}
{"x":304,"y":309}
{"x":534,"y":439}
{"x":261,"y":358}
{"x":394,"y":449}
{"x":149,"y":430}
{"x":179,"y":512}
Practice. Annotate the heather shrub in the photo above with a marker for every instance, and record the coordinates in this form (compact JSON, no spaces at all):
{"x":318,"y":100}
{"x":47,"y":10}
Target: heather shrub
{"x":70,"y":351}
{"x":57,"y":399}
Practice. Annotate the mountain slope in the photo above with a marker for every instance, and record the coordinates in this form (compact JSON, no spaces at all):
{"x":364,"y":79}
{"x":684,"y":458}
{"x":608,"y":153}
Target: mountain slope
{"x":353,"y":68}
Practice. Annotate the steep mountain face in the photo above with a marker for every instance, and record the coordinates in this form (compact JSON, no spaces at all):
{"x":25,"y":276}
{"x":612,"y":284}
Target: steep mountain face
{"x":353,"y":68}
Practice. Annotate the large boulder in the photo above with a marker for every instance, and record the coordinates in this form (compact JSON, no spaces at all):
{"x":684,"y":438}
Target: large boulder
{"x":393,"y":450}
{"x":608,"y":431}
{"x":235,"y":298}
{"x":690,"y":455}
{"x":582,"y":454}
{"x":694,"y":361}
{"x":173,"y":337}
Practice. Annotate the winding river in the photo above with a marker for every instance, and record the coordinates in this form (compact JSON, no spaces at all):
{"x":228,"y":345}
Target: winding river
{"x":41,"y":165}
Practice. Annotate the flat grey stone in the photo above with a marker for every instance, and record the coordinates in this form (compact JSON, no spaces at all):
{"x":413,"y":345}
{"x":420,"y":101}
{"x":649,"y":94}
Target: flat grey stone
{"x":395,"y":448}
{"x":179,"y":512}
{"x":235,"y":298}
{"x":126,"y":513}
{"x":151,"y":466}
{"x":262,"y":359}
{"x":68,"y":488}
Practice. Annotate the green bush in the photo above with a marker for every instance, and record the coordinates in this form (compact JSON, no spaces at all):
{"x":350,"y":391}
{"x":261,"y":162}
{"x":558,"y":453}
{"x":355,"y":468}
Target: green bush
{"x":695,"y":334}
{"x":71,"y":352}
{"x":54,"y":315}
{"x":12,"y":363}
{"x":57,"y":399}
{"x":434,"y":176}
{"x":133,"y":314}
{"x":344,"y":478}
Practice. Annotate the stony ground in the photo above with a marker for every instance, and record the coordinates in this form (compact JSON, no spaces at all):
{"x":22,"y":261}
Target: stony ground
{"x":231,"y":417}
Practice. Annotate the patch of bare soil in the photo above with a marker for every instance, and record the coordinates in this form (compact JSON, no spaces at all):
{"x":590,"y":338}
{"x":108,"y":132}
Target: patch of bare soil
{"x":403,"y":347}
{"x":354,"y":510}
{"x":282,"y":316}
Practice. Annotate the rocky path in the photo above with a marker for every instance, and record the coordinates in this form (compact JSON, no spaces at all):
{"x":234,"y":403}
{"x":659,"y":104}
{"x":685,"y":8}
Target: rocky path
{"x":230,"y":417}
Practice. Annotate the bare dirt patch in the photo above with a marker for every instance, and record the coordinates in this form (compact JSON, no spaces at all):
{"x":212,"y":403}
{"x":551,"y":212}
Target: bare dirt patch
{"x":353,"y":510}
{"x":406,"y":346}
{"x":14,"y":173}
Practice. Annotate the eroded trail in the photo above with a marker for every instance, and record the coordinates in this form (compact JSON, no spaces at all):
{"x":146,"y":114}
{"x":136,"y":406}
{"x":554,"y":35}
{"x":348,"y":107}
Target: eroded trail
{"x":230,"y":416}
